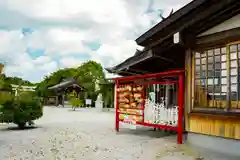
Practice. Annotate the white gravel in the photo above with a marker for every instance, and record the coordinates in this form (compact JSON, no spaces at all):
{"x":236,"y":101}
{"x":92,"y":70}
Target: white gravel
{"x":84,"y":135}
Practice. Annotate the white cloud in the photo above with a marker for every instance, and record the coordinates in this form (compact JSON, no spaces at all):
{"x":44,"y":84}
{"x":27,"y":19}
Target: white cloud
{"x":69,"y":62}
{"x":48,"y":67}
{"x":10,"y":42}
{"x":17,"y":62}
{"x":118,"y":51}
{"x":63,"y":27}
{"x":42,"y":59}
{"x":58,"y":41}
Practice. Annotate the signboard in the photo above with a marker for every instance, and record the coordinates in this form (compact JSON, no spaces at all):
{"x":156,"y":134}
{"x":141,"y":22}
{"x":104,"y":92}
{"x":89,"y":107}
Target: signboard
{"x":131,"y":98}
{"x":130,"y":119}
{"x":88,"y":101}
{"x":176,"y":38}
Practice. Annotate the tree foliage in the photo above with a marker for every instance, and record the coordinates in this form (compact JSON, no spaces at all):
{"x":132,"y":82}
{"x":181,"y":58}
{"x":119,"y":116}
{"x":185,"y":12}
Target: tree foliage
{"x":18,"y":81}
{"x":5,"y":82}
{"x":74,"y":100}
{"x":20,"y":109}
{"x":107,"y":90}
{"x":4,"y":85}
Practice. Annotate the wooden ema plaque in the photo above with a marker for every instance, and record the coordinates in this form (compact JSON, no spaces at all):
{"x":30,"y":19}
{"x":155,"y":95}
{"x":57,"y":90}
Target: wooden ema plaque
{"x":131,"y":103}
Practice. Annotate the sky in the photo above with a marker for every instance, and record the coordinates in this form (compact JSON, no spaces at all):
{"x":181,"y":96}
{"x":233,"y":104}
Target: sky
{"x":38,"y":37}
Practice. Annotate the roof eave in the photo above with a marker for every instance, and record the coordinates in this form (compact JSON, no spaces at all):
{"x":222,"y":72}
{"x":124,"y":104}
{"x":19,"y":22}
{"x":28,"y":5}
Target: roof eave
{"x":131,"y":61}
{"x":172,"y":18}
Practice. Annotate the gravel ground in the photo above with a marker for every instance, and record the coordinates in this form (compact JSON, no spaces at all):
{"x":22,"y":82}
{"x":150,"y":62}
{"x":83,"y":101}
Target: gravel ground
{"x":86,"y":135}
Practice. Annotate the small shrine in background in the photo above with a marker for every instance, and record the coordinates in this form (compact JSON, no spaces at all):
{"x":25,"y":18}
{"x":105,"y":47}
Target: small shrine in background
{"x":62,"y":89}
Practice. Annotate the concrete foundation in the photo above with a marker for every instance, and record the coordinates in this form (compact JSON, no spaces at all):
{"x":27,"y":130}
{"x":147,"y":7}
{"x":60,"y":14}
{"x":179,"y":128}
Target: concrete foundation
{"x":215,"y":144}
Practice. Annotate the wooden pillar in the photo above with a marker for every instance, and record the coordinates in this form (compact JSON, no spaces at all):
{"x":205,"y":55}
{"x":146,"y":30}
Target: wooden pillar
{"x":56,"y":101}
{"x":63,"y":99}
{"x":189,"y":87}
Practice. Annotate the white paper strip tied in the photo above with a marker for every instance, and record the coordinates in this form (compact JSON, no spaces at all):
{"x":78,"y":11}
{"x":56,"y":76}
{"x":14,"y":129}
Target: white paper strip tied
{"x":158,"y":113}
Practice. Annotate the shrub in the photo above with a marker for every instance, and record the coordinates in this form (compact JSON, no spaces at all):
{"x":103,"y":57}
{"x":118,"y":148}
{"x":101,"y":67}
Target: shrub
{"x":75,"y":102}
{"x":20,"y":109}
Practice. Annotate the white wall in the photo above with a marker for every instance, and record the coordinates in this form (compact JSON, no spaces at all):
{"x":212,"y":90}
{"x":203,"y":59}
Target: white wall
{"x":231,"y":23}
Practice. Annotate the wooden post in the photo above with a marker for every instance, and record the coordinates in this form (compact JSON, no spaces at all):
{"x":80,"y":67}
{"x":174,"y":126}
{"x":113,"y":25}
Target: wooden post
{"x":180,"y":108}
{"x":56,"y":101}
{"x":63,"y":99}
{"x":117,"y":113}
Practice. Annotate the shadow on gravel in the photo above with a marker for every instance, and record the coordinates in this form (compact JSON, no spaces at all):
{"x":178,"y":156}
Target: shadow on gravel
{"x":15,"y":128}
{"x":76,"y":110}
{"x":146,"y":132}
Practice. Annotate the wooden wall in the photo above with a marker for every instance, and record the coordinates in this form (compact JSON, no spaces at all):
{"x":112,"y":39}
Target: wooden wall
{"x":215,"y":125}
{"x":224,"y":126}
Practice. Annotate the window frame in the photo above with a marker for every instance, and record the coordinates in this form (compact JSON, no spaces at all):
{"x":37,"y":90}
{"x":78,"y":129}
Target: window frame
{"x":228,"y":110}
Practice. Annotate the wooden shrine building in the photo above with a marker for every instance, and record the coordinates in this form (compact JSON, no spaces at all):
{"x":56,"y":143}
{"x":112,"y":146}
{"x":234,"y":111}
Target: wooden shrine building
{"x":65,"y":87}
{"x":203,"y":39}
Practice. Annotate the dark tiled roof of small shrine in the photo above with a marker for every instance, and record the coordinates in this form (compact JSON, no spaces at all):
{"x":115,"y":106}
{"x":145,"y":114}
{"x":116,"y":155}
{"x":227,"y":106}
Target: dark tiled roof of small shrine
{"x":66,"y":83}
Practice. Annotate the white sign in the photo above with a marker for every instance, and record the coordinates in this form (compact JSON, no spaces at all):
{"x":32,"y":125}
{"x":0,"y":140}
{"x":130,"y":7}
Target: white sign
{"x":129,"y":121}
{"x":176,"y":38}
{"x":88,"y":101}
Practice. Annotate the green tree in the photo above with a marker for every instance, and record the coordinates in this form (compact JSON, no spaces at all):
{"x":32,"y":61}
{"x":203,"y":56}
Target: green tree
{"x":89,"y":75}
{"x":74,"y":100}
{"x":17,"y":81}
{"x":4,"y":85}
{"x":20,"y":109}
{"x":1,"y":81}
{"x":107,"y":90}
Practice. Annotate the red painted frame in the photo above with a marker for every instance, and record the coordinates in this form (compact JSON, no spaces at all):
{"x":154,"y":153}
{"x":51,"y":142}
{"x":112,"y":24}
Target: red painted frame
{"x":180,"y":82}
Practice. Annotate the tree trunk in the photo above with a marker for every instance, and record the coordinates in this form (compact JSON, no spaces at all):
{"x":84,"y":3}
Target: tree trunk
{"x":21,"y":125}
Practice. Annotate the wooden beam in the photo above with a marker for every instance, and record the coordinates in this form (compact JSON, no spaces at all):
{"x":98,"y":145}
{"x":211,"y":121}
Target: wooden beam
{"x":140,"y":71}
{"x":220,"y":38}
{"x":123,"y":72}
{"x":165,"y":59}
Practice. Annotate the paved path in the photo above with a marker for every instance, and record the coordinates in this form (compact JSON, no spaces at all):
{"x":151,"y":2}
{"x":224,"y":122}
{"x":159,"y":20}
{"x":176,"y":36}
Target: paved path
{"x":85,"y":135}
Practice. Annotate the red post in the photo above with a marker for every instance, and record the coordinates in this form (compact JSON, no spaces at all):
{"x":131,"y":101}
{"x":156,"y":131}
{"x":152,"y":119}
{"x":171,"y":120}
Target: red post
{"x":143,"y":103}
{"x":117,"y":106}
{"x":180,"y":108}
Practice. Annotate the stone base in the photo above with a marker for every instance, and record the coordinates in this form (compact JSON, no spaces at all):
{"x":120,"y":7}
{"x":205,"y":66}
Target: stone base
{"x":108,"y":109}
{"x":215,"y":144}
